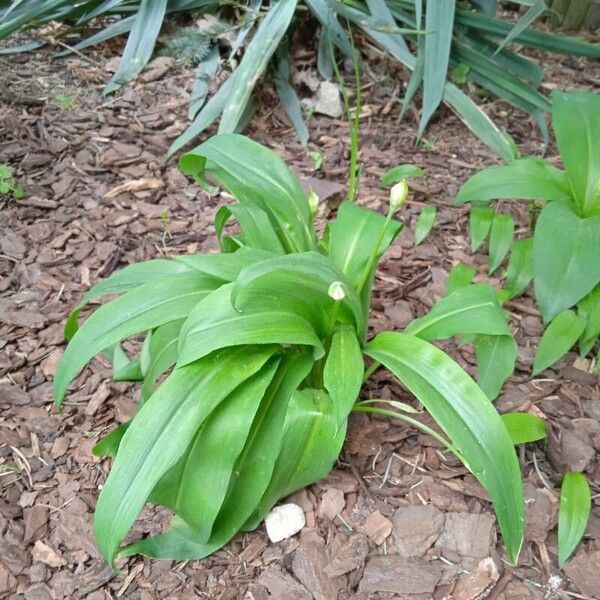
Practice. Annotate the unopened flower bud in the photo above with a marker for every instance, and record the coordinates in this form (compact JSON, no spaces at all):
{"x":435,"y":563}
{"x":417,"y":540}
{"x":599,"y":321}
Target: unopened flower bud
{"x":313,"y":202}
{"x":336,"y":291}
{"x":398,"y":195}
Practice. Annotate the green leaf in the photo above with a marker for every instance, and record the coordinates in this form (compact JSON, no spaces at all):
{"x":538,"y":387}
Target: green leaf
{"x":577,"y":127}
{"x":496,"y":357}
{"x":558,"y":339}
{"x":424,"y":223}
{"x":256,"y":175}
{"x":399,"y":172}
{"x":140,"y":43}
{"x":589,"y":309}
{"x":524,"y":428}
{"x":460,"y":276}
{"x":467,"y":417}
{"x":214,"y":323}
{"x":520,"y":267}
{"x":573,"y":514}
{"x":501,"y":238}
{"x":439,"y":23}
{"x":480,"y":222}
{"x":257,"y":55}
{"x":159,"y":435}
{"x":343,"y":372}
{"x":225,"y":266}
{"x":468,"y":310}
{"x":196,"y":487}
{"x":522,"y":179}
{"x":565,"y":258}
{"x":537,"y":8}
{"x":145,"y":307}
{"x":109,"y":445}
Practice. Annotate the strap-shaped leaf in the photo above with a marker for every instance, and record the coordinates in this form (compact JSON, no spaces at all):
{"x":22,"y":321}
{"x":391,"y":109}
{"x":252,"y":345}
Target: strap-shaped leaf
{"x":501,"y":239}
{"x":343,"y":373}
{"x":196,"y":486}
{"x":123,"y":280}
{"x":215,"y":323}
{"x":573,"y":513}
{"x":301,"y":282}
{"x":520,"y":267}
{"x":524,"y":428}
{"x":565,"y":258}
{"x":160,"y":433}
{"x":143,"y":308}
{"x":480,"y":222}
{"x":560,"y":336}
{"x":254,"y":174}
{"x":577,"y":127}
{"x":251,"y":476}
{"x":226,"y":265}
{"x":496,"y":357}
{"x":469,"y":419}
{"x":468,"y":310}
{"x":522,"y":179}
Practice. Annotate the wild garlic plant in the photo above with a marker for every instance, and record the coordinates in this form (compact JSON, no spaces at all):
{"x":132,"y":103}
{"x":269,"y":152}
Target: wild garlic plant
{"x":254,"y":357}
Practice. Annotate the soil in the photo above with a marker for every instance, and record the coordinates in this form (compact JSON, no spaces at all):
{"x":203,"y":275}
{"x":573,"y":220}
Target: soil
{"x":396,"y":518}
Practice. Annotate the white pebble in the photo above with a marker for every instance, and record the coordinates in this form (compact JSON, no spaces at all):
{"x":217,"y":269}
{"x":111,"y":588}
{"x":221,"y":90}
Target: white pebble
{"x":284,"y":521}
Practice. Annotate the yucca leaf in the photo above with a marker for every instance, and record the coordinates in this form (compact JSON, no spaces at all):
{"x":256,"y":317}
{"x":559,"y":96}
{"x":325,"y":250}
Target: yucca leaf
{"x":573,"y":513}
{"x":143,"y":308}
{"x":496,"y":357}
{"x":467,"y":417}
{"x":140,"y":43}
{"x":323,"y":12}
{"x":159,"y":434}
{"x":524,"y":428}
{"x":537,"y":8}
{"x":560,"y":336}
{"x":214,"y":323}
{"x":205,"y":72}
{"x":501,"y":239}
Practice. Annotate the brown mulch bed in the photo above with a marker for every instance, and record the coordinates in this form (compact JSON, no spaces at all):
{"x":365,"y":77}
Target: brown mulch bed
{"x":397,"y":518}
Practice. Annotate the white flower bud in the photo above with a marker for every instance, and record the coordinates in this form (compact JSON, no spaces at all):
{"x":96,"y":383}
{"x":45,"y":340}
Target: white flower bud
{"x":336,"y":291}
{"x":398,"y":195}
{"x":313,"y":202}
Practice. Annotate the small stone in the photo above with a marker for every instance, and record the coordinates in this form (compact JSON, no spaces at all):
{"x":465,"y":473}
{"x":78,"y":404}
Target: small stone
{"x":328,"y":101}
{"x":284,"y":521}
{"x":332,"y":503}
{"x":416,"y":528}
{"x":377,"y":527}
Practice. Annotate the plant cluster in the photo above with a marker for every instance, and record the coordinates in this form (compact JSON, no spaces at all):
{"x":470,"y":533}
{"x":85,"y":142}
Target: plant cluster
{"x":8,"y":184}
{"x":444,"y":44}
{"x":254,"y":358}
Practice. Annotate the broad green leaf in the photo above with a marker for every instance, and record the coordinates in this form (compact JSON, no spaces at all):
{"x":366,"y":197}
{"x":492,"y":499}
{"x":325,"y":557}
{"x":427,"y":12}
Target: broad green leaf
{"x":251,"y":476}
{"x":589,"y":309}
{"x":353,"y":238}
{"x":124,"y":368}
{"x":256,"y":175}
{"x":343,"y":372}
{"x":399,"y":172}
{"x":573,"y":513}
{"x":424,"y":224}
{"x":439,"y":24}
{"x":143,"y":308}
{"x":301,"y":283}
{"x":225,"y":266}
{"x":520,"y":267}
{"x":524,"y":428}
{"x":140,"y":43}
{"x":109,"y":444}
{"x":565,"y":258}
{"x":467,"y":417}
{"x":468,"y":310}
{"x":480,"y":222}
{"x":577,"y":127}
{"x":311,"y":443}
{"x":460,"y":276}
{"x":256,"y":57}
{"x":501,"y":239}
{"x":496,"y":357}
{"x":197,"y":485}
{"x":560,"y":336}
{"x":522,"y":179}
{"x":123,"y":280}
{"x":214,"y":323}
{"x":160,"y":433}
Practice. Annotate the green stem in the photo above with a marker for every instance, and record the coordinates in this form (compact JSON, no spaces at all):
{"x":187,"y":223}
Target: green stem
{"x":370,"y":370}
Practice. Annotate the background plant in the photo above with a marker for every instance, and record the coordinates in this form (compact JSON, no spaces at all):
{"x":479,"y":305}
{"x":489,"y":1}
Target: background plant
{"x":443,"y":43}
{"x":562,"y":256}
{"x":258,"y":356}
{"x":8,"y":184}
